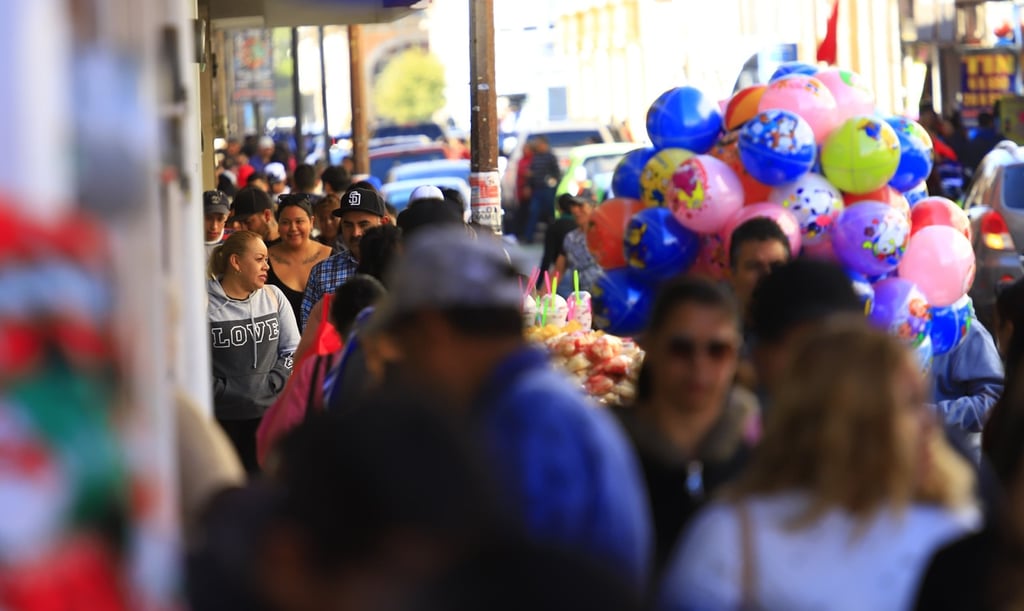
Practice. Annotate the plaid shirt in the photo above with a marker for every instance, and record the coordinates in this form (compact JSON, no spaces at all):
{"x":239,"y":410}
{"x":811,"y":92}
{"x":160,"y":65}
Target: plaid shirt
{"x":325,"y":277}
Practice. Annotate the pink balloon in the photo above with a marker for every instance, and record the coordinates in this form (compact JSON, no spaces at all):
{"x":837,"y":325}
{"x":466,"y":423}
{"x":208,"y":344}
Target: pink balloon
{"x":785,"y":219}
{"x":704,"y":193}
{"x":807,"y":97}
{"x":940,"y":261}
{"x":852,"y":95}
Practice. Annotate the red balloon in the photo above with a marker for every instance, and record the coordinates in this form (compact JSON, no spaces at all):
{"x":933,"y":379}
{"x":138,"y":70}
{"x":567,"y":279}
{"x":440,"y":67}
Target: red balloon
{"x":939,"y":211}
{"x":607,"y":230}
{"x":886,"y":195}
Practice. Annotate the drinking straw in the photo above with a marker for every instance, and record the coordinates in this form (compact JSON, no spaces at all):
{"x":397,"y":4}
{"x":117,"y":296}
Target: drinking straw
{"x":544,"y":310}
{"x":576,"y":284}
{"x":547,"y":281}
{"x":533,"y":281}
{"x":554,"y":285}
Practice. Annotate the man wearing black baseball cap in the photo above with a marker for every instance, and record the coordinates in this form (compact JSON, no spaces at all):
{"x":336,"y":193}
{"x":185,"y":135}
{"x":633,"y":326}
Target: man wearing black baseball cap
{"x":362,"y":208}
{"x":215,"y":215}
{"x":254,"y":209}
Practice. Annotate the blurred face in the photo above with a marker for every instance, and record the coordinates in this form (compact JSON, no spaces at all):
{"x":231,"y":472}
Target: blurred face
{"x":258,"y":223}
{"x":326,"y":222}
{"x":430,"y":356}
{"x":294,"y":226}
{"x":260,"y":184}
{"x":354,"y":224}
{"x":755,"y":260}
{"x":277,"y":188}
{"x":914,"y":422}
{"x":213,"y":224}
{"x":694,"y":356}
{"x":251,"y":267}
{"x":582,"y":214}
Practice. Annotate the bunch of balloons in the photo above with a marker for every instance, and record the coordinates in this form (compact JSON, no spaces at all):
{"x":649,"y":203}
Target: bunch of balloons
{"x":809,"y":151}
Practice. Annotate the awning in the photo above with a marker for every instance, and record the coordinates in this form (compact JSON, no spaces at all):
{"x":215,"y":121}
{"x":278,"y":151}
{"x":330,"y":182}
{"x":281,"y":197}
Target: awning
{"x":294,"y":13}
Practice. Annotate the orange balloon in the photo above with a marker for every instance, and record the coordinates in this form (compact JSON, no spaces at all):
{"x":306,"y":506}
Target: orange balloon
{"x":726,"y":150}
{"x":742,"y":106}
{"x":607,"y":231}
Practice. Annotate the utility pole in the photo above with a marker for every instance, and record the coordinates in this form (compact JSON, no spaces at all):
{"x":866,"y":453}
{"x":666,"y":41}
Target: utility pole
{"x":360,"y":133}
{"x":300,"y":145}
{"x":484,"y":180}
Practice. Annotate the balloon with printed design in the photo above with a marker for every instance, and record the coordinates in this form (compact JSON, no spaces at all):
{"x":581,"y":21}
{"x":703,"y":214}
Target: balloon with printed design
{"x":915,"y":154}
{"x":684,"y":118}
{"x":777,"y":147}
{"x":870,"y":238}
{"x":793,"y":68}
{"x":946,"y":329}
{"x":861,"y":155}
{"x":626,"y":179}
{"x":916,"y":194}
{"x":712,"y":259}
{"x":742,"y":106}
{"x":704,"y":193}
{"x":806,"y":97}
{"x":902,"y":310}
{"x":727,"y":151}
{"x":657,"y":246}
{"x":862,"y":286}
{"x":815,"y":203}
{"x":656,"y":178}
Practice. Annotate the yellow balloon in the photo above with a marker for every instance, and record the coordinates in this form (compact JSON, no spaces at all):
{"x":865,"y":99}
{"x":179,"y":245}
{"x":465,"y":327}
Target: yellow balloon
{"x":657,"y":174}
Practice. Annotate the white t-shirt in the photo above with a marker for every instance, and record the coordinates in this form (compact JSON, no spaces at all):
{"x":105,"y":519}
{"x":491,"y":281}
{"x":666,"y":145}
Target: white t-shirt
{"x":828,"y":566}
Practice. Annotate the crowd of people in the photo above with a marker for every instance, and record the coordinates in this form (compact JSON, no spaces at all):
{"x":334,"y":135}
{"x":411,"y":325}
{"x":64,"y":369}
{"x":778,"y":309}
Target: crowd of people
{"x":408,"y":449}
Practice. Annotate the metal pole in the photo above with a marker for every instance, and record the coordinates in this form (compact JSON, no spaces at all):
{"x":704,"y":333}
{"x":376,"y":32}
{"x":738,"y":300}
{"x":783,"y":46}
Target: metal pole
{"x":300,"y":146}
{"x":485,"y":203}
{"x":360,"y":133}
{"x":323,"y":98}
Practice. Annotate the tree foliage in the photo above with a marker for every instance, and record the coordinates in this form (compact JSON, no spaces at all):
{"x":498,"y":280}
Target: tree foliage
{"x":410,"y":88}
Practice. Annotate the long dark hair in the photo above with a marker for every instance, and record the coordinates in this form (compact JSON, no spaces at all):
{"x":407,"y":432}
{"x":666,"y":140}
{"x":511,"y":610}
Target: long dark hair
{"x":675,"y":293}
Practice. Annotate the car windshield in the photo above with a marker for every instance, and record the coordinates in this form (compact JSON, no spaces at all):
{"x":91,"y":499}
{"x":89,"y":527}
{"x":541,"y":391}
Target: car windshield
{"x":380,"y":166}
{"x":561,"y":140}
{"x":1013,"y":186}
{"x":604,"y":164}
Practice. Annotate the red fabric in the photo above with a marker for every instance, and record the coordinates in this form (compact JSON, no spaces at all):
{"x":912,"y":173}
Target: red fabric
{"x":522,"y":172}
{"x":943,"y":150}
{"x":243,"y":174}
{"x":289,"y":410}
{"x":828,"y":50}
{"x":327,"y":339}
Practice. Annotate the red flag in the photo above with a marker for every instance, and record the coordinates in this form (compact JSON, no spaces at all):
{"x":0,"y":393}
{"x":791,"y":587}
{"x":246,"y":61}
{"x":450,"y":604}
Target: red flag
{"x":828,"y":49}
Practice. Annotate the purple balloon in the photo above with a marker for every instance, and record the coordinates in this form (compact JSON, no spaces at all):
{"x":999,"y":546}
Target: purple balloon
{"x":870,"y":238}
{"x":901,"y":309}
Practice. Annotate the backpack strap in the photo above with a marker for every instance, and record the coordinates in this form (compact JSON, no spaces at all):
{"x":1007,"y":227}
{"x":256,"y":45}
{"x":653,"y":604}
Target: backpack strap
{"x":315,"y":396}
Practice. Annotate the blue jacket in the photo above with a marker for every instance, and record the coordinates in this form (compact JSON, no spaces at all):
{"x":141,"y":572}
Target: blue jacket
{"x":564,"y":466}
{"x":968,"y":380}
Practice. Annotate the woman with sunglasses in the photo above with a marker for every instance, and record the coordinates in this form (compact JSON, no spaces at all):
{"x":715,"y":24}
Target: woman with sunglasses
{"x":690,"y":422}
{"x":845,"y":499}
{"x":292,"y":259}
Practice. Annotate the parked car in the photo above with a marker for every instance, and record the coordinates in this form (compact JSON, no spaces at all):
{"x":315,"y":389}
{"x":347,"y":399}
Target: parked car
{"x":397,"y":193}
{"x":433,"y":131}
{"x":995,"y":205}
{"x":384,"y":159}
{"x":563,"y":137}
{"x":591,"y":168}
{"x":426,"y":170}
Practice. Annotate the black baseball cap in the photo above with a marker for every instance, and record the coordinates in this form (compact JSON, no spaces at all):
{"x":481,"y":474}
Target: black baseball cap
{"x":362,"y":198}
{"x":250,"y":201}
{"x":215,"y":202}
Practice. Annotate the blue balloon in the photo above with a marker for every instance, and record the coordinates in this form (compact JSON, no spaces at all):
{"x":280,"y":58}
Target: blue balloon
{"x":684,"y":118}
{"x":916,"y":193}
{"x":791,"y":68}
{"x":945,"y":330}
{"x":864,"y":290}
{"x":626,"y":179}
{"x":622,"y":302}
{"x":901,"y":309}
{"x":915,"y":154}
{"x":658,"y":246}
{"x":777,"y":147}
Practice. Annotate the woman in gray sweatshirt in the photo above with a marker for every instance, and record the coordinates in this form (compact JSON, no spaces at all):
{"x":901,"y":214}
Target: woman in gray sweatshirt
{"x":253,"y":335}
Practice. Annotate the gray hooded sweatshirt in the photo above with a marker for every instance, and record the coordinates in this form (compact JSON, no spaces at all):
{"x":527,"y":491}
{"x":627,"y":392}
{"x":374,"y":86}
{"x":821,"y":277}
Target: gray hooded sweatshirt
{"x":253,"y":341}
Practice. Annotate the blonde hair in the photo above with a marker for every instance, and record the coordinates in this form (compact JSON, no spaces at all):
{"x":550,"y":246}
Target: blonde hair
{"x":833,"y":432}
{"x":236,"y":244}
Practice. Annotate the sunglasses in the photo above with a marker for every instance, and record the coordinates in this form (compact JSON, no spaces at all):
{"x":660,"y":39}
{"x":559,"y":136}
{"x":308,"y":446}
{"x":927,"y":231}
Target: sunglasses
{"x":687,"y":348}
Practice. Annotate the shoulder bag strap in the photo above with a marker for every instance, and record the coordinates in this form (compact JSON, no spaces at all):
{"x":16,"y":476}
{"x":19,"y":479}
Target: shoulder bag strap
{"x":311,"y":396}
